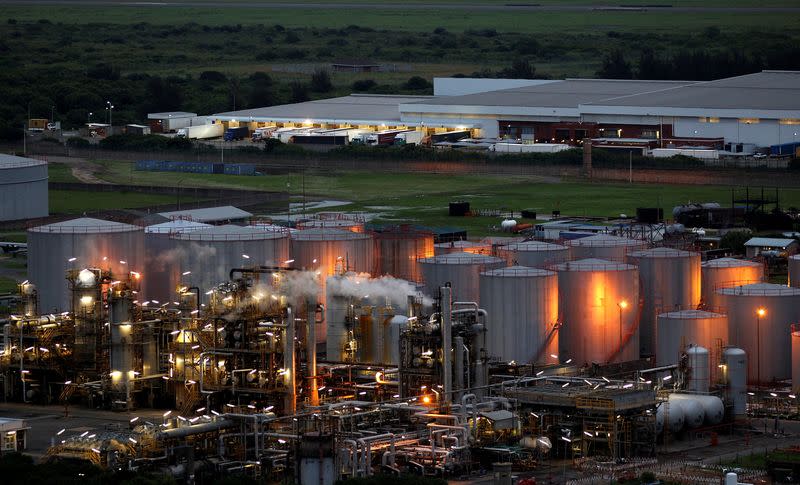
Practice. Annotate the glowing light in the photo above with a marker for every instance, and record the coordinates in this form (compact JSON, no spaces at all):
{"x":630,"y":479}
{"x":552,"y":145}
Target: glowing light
{"x":71,"y":259}
{"x":761,"y":312}
{"x":623,"y":304}
{"x":61,"y":432}
{"x":167,"y":414}
{"x":86,"y":300}
{"x":186,"y":273}
{"x":426,"y":400}
{"x":245,"y":256}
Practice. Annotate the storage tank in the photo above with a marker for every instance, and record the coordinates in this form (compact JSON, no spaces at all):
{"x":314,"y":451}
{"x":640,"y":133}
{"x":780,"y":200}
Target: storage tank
{"x":734,"y":370}
{"x":672,"y":412}
{"x":76,"y":244}
{"x":699,"y":370}
{"x":397,"y":324}
{"x":523,"y":307}
{"x":594,"y":327}
{"x":462,"y":247}
{"x":693,"y":415}
{"x":23,"y":188}
{"x":207,"y":255}
{"x":669,"y":279}
{"x":795,"y":358}
{"x":332,"y":251}
{"x":399,"y":249}
{"x":794,"y":270}
{"x":340,"y":224}
{"x":700,"y":408}
{"x":676,"y":329}
{"x":760,"y":316}
{"x":462,"y":270}
{"x":603,"y":246}
{"x":162,"y":277}
{"x":722,"y":272}
{"x":533,"y":254}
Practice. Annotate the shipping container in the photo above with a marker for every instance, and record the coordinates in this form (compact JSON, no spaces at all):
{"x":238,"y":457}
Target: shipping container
{"x":200,"y":132}
{"x":791,"y":149}
{"x":686,"y":152}
{"x":196,"y":167}
{"x":239,"y":133}
{"x":137,"y":130}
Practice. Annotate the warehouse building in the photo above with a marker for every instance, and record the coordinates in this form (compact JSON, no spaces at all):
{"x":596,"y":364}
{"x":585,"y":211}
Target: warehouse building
{"x":735,"y":114}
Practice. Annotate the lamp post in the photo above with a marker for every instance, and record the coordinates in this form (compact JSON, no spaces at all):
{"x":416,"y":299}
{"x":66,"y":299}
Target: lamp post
{"x":110,"y":108}
{"x":760,"y":312}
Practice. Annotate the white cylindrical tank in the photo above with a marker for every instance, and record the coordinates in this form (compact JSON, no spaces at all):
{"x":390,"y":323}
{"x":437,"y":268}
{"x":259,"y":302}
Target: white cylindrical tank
{"x":693,"y":415}
{"x":462,"y":246}
{"x":670,"y":412}
{"x":711,"y":409}
{"x":726,"y":272}
{"x":735,"y":377}
{"x":161,"y":276}
{"x":676,"y":329}
{"x":533,"y":254}
{"x":590,"y":292}
{"x":760,"y":316}
{"x":699,"y":370}
{"x":669,"y":280}
{"x":399,"y":249}
{"x":23,"y":188}
{"x":75,"y":244}
{"x":523,"y":307}
{"x":397,"y":324}
{"x":210,"y":253}
{"x":459,"y":269}
{"x":603,"y":246}
{"x":794,"y":270}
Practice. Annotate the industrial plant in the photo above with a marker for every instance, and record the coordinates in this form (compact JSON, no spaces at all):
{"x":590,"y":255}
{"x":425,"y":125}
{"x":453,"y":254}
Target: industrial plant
{"x":333,"y":349}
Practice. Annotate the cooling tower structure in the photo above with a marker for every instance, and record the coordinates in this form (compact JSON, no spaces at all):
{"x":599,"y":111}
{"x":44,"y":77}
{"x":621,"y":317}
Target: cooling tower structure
{"x":399,"y":249}
{"x":669,"y":279}
{"x":794,"y":270}
{"x":162,"y":278}
{"x":603,"y":246}
{"x":523,"y":304}
{"x":598,"y":302}
{"x":675,"y":330}
{"x":734,"y":374}
{"x":462,"y":247}
{"x":461,"y":270}
{"x":533,"y":254}
{"x":760,"y":316}
{"x":205,"y":257}
{"x":76,"y":244}
{"x":726,"y":272}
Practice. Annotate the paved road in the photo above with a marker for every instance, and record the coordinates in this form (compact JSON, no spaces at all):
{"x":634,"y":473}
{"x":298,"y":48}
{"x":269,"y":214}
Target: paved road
{"x":635,"y":7}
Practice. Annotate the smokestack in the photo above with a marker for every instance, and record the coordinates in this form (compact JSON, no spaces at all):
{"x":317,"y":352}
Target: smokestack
{"x":311,"y":351}
{"x":447,"y":343}
{"x":290,"y":401}
{"x":587,"y":158}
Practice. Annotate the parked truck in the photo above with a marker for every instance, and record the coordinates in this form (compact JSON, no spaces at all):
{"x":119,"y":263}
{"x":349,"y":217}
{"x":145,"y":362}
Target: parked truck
{"x":529,"y":147}
{"x":409,"y":138}
{"x":174,"y":124}
{"x":239,"y":133}
{"x":385,"y":137}
{"x":263,"y":133}
{"x":137,"y":129}
{"x":201,"y":132}
{"x":450,"y":136}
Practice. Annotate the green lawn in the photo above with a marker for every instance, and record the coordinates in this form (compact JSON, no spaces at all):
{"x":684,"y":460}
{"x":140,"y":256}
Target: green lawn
{"x":58,"y":172}
{"x":7,"y":285}
{"x":77,"y":202}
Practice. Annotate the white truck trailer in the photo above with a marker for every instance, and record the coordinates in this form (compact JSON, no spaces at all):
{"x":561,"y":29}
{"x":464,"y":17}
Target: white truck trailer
{"x":200,"y":132}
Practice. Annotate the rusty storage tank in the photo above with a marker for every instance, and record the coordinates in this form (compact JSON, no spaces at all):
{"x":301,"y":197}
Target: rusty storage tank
{"x":533,"y":254}
{"x":794,"y":270}
{"x":590,"y":293}
{"x":760,"y":316}
{"x":161,"y":275}
{"x":523,"y":304}
{"x":795,"y":357}
{"x":603,"y":246}
{"x":398,"y":250}
{"x":462,"y":247}
{"x":674,"y":330}
{"x":734,"y":375}
{"x":206,"y":256}
{"x":332,"y":251}
{"x":722,"y":272}
{"x":669,"y":280}
{"x":460,"y":269}
{"x":75,"y":244}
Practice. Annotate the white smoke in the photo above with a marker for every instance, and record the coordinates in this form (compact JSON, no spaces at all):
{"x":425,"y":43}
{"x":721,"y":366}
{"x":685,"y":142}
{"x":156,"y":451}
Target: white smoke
{"x":386,"y":288}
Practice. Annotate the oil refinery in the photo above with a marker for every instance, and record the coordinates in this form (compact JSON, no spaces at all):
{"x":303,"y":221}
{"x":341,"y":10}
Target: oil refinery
{"x":332,"y":350}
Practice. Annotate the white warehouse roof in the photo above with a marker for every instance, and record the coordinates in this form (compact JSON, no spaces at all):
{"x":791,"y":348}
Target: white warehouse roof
{"x":209,"y":214}
{"x":170,"y":114}
{"x":769,"y":242}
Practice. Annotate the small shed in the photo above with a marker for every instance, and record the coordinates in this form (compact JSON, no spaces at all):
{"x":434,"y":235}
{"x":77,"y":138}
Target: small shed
{"x":771,"y":246}
{"x":13,"y":435}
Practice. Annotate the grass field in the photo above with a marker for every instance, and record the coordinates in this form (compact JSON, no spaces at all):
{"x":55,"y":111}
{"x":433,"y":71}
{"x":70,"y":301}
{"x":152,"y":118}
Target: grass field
{"x":77,"y":202}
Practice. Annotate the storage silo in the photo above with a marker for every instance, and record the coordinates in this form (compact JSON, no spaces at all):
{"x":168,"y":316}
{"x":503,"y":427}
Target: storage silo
{"x":603,"y":246}
{"x":760,"y":316}
{"x":723,"y":272}
{"x":462,"y":270}
{"x":699,"y":370}
{"x":462,"y":246}
{"x":161,"y":277}
{"x":669,"y":279}
{"x":594,"y":325}
{"x":205,"y":257}
{"x":734,"y":371}
{"x":533,"y":254}
{"x":23,"y":188}
{"x":75,"y":244}
{"x":794,"y":270}
{"x":676,"y":329}
{"x":399,"y":249}
{"x":523,"y":307}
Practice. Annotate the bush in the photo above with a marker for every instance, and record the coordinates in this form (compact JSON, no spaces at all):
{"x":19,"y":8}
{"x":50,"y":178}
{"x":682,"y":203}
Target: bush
{"x":417,"y":83}
{"x":321,"y":81}
{"x":363,"y":85}
{"x":213,"y":76}
{"x":78,"y":143}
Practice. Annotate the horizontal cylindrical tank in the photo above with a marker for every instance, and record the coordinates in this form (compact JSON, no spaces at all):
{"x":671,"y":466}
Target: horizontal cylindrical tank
{"x":533,"y":254}
{"x":726,"y":272}
{"x":709,"y":409}
{"x":162,"y":277}
{"x":698,"y":367}
{"x":523,"y":307}
{"x":693,"y":415}
{"x":462,"y":247}
{"x":75,"y":244}
{"x":459,"y":269}
{"x":207,"y":255}
{"x":734,"y":370}
{"x":594,"y":326}
{"x":670,"y":412}
{"x":603,"y":246}
{"x":669,"y":279}
{"x":399,"y":249}
{"x":23,"y":188}
{"x":794,"y":270}
{"x":760,"y":316}
{"x":676,"y":329}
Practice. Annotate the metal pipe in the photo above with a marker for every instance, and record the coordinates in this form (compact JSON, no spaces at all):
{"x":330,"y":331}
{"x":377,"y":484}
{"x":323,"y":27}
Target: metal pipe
{"x":447,"y":343}
{"x":288,"y":364}
{"x":458,"y":354}
{"x":311,"y":352}
{"x":203,"y":365}
{"x":193,"y":429}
